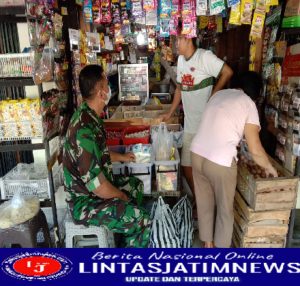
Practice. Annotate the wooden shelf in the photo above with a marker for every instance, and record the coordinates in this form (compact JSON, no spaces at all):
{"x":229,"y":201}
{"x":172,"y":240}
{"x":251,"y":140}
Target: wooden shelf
{"x":22,"y":147}
{"x":16,"y":81}
{"x":291,"y":31}
{"x":12,"y":10}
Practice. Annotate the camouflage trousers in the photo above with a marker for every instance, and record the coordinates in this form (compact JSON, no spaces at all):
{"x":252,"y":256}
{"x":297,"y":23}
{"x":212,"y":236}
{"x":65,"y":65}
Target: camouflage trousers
{"x":127,"y":218}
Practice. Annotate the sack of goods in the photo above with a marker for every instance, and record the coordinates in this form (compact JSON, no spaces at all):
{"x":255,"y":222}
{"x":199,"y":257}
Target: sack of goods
{"x":18,"y":210}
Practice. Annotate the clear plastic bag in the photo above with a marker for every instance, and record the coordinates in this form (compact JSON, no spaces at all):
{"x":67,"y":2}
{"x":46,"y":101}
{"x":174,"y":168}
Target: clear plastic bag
{"x":43,"y":67}
{"x":18,"y":210}
{"x":163,"y":142}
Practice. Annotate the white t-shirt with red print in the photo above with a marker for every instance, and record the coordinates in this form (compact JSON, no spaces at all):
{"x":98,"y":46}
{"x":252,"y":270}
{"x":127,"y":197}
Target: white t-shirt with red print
{"x":196,"y":78}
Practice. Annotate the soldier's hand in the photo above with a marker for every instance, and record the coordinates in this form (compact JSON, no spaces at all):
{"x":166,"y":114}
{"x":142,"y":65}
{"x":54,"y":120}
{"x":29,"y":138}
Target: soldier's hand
{"x":124,"y":197}
{"x":129,"y":157}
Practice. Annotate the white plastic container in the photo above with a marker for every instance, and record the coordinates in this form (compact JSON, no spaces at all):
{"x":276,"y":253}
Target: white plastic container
{"x":143,"y":171}
{"x":166,"y":173}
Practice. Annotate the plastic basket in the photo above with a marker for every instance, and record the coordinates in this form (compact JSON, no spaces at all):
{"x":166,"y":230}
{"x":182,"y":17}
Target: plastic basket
{"x":28,"y":187}
{"x":118,"y":167}
{"x":176,"y":130}
{"x":136,"y":129}
{"x":143,"y":171}
{"x":114,"y":136}
{"x":167,"y":174}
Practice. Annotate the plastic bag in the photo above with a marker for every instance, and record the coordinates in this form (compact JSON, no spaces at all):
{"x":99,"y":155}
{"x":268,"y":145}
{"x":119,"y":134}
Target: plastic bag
{"x":182,"y":213}
{"x":18,"y":210}
{"x":164,"y":230}
{"x":163,"y":142}
{"x":43,"y":67}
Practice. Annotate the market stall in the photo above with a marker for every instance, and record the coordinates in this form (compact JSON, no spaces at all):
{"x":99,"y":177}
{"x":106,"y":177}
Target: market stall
{"x":135,"y":43}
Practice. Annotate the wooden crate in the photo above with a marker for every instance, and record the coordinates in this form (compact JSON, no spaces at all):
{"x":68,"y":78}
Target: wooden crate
{"x":259,"y":229}
{"x":268,"y":193}
{"x":262,"y":242}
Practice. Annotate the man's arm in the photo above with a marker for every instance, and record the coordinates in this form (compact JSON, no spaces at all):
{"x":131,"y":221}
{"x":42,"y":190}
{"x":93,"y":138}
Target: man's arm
{"x":118,"y":157}
{"x":257,"y":151}
{"x":225,"y":75}
{"x":107,"y":191}
{"x":175,"y":103}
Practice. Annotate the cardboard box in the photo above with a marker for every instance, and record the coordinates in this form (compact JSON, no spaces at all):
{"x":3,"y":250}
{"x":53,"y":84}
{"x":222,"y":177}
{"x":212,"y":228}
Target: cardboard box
{"x":292,"y":8}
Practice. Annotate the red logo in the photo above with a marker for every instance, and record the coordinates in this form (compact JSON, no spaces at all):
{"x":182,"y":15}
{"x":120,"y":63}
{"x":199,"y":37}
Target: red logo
{"x":187,"y":80}
{"x":40,"y":266}
{"x":37,"y":266}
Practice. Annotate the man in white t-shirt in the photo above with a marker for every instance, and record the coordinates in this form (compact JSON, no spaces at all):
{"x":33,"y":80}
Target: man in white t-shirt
{"x":197,"y":70}
{"x":228,"y":116}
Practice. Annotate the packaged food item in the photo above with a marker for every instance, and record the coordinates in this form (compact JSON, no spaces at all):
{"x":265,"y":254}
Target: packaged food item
{"x":235,"y":14}
{"x":257,"y":24}
{"x":44,"y":28}
{"x":106,"y":11}
{"x":142,"y":153}
{"x":87,"y":11}
{"x":96,"y":8}
{"x":246,"y":11}
{"x":149,"y":5}
{"x":201,"y":7}
{"x":216,"y":6}
{"x":57,"y":26}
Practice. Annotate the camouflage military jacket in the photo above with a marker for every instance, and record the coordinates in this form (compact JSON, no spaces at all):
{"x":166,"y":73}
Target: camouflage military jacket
{"x":86,"y":158}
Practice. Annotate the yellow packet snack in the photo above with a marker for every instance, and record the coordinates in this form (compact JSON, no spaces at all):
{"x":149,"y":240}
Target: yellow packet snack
{"x":257,"y":24}
{"x":272,"y":2}
{"x":203,"y":22}
{"x":219,"y":24}
{"x":246,"y":11}
{"x":235,"y":14}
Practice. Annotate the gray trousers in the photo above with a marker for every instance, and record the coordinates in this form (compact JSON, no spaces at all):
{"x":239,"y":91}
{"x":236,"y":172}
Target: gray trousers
{"x":214,"y":188}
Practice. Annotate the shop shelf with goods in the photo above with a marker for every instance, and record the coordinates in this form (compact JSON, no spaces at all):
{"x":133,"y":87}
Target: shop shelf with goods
{"x":16,"y":71}
{"x":46,"y":191}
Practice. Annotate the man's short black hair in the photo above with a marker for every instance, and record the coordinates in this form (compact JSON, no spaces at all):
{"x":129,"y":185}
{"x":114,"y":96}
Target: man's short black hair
{"x":250,"y":82}
{"x":88,"y":78}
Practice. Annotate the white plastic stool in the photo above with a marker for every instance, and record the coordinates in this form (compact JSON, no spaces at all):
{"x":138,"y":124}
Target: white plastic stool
{"x":104,"y":236}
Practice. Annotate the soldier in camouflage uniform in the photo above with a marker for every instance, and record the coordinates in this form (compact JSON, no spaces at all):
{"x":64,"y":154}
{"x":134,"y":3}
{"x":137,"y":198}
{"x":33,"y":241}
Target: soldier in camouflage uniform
{"x":96,"y":197}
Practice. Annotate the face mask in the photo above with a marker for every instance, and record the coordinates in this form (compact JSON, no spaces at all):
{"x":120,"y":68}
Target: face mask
{"x":108,"y":96}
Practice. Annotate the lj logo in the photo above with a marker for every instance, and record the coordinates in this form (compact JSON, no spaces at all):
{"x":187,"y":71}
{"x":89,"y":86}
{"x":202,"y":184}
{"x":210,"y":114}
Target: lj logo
{"x":37,"y":266}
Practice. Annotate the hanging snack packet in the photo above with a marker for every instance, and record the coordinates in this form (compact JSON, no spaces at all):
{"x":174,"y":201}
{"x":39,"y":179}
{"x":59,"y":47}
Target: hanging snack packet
{"x":116,"y":14}
{"x":44,"y":28}
{"x":246,"y":11}
{"x":174,"y":26}
{"x":216,"y":6}
{"x":165,"y":8}
{"x":124,"y":14}
{"x":201,"y":7}
{"x":105,"y":11}
{"x":149,"y":5}
{"x":74,"y":39}
{"x":186,"y":8}
{"x":164,"y":27}
{"x":137,"y":11}
{"x":235,"y":15}
{"x":175,"y":12}
{"x":93,"y":41}
{"x":96,"y":11}
{"x":57,"y":25}
{"x":257,"y":24}
{"x":231,"y":3}
{"x":87,"y":11}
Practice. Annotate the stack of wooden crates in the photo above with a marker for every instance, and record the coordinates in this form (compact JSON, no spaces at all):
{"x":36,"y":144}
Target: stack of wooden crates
{"x":262,"y":208}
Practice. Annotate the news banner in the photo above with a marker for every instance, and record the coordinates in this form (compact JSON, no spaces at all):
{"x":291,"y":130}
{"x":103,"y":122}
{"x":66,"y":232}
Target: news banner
{"x":117,"y":266}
